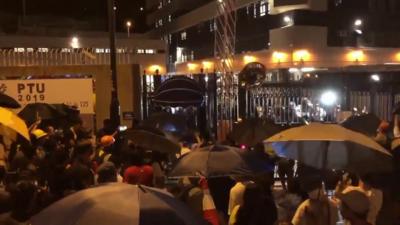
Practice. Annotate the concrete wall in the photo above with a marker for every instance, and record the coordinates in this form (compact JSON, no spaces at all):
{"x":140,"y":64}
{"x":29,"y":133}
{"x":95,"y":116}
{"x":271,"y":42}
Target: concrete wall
{"x":102,"y":77}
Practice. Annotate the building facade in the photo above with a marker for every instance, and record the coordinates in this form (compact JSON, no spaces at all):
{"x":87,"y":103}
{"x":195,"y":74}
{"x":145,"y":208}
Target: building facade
{"x":85,"y":55}
{"x":330,"y":33}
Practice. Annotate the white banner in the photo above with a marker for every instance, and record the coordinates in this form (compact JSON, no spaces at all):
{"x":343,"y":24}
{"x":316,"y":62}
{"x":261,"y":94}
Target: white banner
{"x":74,"y":92}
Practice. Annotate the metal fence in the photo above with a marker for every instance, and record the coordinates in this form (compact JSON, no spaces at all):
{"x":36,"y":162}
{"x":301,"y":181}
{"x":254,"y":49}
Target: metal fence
{"x":65,"y":56}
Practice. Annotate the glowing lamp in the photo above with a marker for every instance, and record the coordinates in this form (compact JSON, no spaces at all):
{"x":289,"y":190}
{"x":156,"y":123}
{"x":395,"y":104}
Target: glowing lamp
{"x":155,"y":69}
{"x":249,"y":59}
{"x":278,"y":57}
{"x":207,"y":65}
{"x":191,"y":66}
{"x":328,"y":98}
{"x":356,"y":56}
{"x":301,"y":56}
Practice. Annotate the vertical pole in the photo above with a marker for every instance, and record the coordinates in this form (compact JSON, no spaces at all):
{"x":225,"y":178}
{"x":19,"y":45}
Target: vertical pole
{"x":114,"y":106}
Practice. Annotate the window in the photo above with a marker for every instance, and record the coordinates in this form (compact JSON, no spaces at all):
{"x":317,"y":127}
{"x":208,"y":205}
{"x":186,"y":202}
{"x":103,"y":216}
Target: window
{"x":140,"y":51}
{"x":263,"y":8}
{"x":183,"y":36}
{"x":160,"y":22}
{"x":19,"y":50}
{"x":169,"y":1}
{"x":43,"y":50}
{"x":170,"y":38}
{"x":99,"y":50}
{"x":29,"y":49}
{"x":169,"y":18}
{"x":160,"y":5}
{"x":149,"y":51}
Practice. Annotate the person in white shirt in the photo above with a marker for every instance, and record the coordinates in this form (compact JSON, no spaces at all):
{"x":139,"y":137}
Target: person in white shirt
{"x":236,"y":193}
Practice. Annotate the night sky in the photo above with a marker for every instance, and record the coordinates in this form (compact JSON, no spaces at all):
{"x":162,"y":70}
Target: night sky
{"x":78,"y":9}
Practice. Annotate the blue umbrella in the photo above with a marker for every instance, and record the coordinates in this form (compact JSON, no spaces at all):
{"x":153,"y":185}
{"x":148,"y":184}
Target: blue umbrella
{"x":118,"y":204}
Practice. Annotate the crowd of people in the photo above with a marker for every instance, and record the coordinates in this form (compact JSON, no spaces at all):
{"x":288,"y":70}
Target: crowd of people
{"x":60,"y":161}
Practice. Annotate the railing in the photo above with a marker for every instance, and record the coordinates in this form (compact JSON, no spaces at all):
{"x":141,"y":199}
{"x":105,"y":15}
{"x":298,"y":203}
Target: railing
{"x":57,"y":57}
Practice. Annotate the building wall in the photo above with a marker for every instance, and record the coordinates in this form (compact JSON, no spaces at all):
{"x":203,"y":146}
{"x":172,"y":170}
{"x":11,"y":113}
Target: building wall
{"x":101,"y":75}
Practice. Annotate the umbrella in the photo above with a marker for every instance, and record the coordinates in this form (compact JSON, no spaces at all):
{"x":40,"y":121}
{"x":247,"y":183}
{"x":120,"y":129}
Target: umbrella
{"x":179,"y":91}
{"x":8,"y":102}
{"x":151,"y":141}
{"x":118,"y":204}
{"x":253,"y":131}
{"x":166,"y":122}
{"x":366,"y":123}
{"x":330,"y":146}
{"x":179,"y":97}
{"x":11,"y":124}
{"x":253,"y":73}
{"x":44,"y":111}
{"x":212,"y":161}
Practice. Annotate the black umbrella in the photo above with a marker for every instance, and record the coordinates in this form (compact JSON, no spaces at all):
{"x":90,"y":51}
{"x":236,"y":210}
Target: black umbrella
{"x":367,"y":124}
{"x":44,"y":111}
{"x":212,"y":161}
{"x":118,"y":204}
{"x":8,"y":102}
{"x":179,"y":91}
{"x":179,"y":97}
{"x":151,"y":141}
{"x":253,"y":131}
{"x":252,"y":74}
{"x":180,"y":82}
{"x":71,"y":113}
{"x":166,"y":122}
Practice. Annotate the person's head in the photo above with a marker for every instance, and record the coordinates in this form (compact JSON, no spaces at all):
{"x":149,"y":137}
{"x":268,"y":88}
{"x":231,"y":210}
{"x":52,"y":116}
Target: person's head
{"x":107,"y":140}
{"x":139,"y":175}
{"x":354,"y":205}
{"x":365,"y":182}
{"x":22,"y":200}
{"x":253,"y":195}
{"x":107,"y":173}
{"x":107,"y":123}
{"x":84,"y":150}
{"x":313,"y":187}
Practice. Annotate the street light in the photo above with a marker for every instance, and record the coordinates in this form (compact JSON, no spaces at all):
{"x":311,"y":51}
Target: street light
{"x":358,"y":22}
{"x":375,"y":78}
{"x":128,"y":27}
{"x":74,"y":42}
{"x":328,"y":98}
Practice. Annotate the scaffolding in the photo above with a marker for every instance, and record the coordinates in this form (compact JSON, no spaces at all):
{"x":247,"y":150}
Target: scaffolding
{"x":224,"y":50}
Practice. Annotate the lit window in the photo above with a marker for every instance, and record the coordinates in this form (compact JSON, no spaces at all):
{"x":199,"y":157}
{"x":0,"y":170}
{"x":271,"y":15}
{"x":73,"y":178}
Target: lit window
{"x":19,"y":50}
{"x":160,"y":22}
{"x":140,"y":51}
{"x":149,"y":51}
{"x":160,"y":5}
{"x":65,"y":50}
{"x":183,"y":36}
{"x":29,"y":49}
{"x":99,"y":50}
{"x":107,"y":50}
{"x":121,"y":50}
{"x":170,"y":38}
{"x":169,"y":1}
{"x":43,"y":50}
{"x":263,"y":8}
{"x":169,"y":18}
{"x":211,"y":26}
